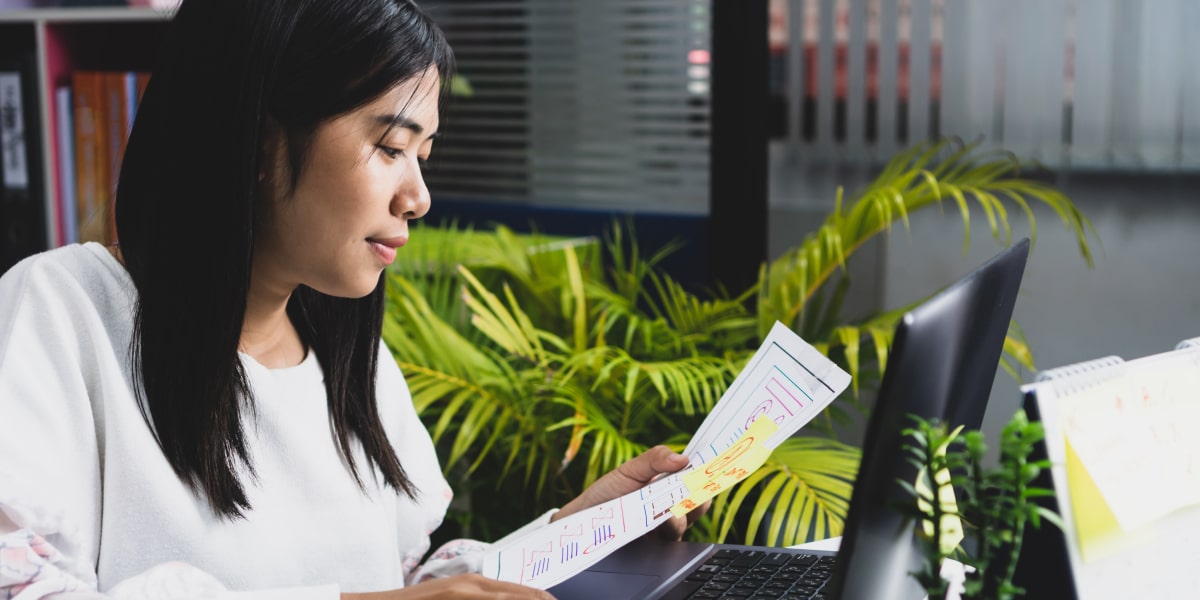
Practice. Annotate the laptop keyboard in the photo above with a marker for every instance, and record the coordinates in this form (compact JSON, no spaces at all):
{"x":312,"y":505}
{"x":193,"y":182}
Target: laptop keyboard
{"x":735,"y":573}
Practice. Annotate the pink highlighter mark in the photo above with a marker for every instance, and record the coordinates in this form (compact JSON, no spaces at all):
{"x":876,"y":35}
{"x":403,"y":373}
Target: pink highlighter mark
{"x":783,"y":388}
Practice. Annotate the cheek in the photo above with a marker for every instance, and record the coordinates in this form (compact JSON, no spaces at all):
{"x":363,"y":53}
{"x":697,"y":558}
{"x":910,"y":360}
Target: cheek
{"x":358,"y":189}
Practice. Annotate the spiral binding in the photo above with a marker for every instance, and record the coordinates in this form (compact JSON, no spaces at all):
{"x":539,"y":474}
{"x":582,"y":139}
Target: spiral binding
{"x":1078,"y":376}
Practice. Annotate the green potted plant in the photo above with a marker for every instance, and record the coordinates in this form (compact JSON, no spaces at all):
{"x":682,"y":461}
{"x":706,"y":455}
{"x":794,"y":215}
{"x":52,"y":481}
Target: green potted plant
{"x":539,"y":366}
{"x":970,"y":512}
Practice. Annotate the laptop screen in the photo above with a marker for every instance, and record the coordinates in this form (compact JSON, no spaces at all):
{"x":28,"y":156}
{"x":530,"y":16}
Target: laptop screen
{"x":943,"y":360}
{"x":942,"y":364}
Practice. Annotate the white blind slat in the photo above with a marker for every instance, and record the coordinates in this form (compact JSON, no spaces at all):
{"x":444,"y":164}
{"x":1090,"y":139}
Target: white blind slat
{"x":1092,"y":81}
{"x":856,"y":83}
{"x":1159,"y":83}
{"x":826,"y":37}
{"x":954,"y":109}
{"x":1189,"y":104}
{"x":919,"y":57}
{"x":575,"y":96}
{"x":1035,"y":41}
{"x":889,"y":18}
{"x":795,"y":83}
{"x":1125,"y":61}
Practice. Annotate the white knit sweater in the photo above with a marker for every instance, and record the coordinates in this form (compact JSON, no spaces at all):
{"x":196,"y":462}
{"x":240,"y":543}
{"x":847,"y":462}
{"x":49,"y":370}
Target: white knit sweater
{"x":87,"y":500}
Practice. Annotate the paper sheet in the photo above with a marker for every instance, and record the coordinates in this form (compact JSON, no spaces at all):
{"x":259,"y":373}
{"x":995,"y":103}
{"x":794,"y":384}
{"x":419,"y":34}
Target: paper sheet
{"x":787,"y":381}
{"x":1157,"y":559}
{"x":1135,"y":438}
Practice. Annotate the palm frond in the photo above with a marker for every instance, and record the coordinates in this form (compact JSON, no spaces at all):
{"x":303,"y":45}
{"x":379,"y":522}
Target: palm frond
{"x":802,"y":491}
{"x":910,"y":181}
{"x":545,"y":362}
{"x":610,"y":445}
{"x":502,"y":321}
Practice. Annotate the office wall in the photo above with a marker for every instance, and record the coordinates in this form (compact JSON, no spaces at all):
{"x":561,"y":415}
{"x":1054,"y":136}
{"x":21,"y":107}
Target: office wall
{"x":1141,"y":297}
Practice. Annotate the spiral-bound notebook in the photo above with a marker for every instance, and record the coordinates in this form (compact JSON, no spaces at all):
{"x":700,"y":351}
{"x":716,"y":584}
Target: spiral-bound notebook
{"x":1123,"y":437}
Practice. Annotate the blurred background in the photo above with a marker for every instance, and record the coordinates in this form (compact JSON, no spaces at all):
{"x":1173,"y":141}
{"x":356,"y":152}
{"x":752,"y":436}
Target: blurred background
{"x":731,"y":124}
{"x":665,"y":108}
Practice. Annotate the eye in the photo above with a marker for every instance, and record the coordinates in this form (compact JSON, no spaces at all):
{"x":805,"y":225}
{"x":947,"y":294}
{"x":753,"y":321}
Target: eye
{"x":423,"y":163}
{"x":389,"y":151}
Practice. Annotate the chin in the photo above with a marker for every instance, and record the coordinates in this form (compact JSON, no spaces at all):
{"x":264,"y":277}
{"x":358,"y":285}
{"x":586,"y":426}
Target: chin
{"x":353,"y":290}
{"x":362,"y":292}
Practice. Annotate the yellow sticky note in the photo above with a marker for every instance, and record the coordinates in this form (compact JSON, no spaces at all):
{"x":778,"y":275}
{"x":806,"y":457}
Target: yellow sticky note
{"x":1095,"y":523}
{"x":736,"y":463}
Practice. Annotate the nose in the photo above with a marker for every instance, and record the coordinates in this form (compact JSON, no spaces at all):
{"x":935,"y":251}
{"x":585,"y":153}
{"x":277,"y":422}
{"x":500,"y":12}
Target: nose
{"x":412,"y":195}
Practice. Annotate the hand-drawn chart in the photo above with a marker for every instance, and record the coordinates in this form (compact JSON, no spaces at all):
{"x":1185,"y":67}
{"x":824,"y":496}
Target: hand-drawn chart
{"x":790,"y":383}
{"x":787,"y":381}
{"x":550,"y":554}
{"x":658,"y":497}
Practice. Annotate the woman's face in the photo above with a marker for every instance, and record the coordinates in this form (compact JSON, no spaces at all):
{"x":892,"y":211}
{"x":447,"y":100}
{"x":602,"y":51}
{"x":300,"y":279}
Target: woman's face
{"x":342,"y":223}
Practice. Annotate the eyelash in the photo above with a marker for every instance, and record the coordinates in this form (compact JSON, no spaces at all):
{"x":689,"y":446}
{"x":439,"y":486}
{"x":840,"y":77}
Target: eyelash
{"x":395,"y":153}
{"x":390,"y":152}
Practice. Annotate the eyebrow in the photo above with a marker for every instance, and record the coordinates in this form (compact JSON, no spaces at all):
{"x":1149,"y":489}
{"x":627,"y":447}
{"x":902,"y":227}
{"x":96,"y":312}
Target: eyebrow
{"x":404,"y":122}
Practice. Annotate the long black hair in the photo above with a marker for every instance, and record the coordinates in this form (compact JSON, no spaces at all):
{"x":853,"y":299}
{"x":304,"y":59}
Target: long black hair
{"x":187,"y":213}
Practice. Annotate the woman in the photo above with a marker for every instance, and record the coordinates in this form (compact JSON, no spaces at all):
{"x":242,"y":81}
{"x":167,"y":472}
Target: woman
{"x":210,"y":406}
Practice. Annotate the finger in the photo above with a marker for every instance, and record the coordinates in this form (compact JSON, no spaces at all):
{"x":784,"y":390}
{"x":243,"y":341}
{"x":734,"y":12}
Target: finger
{"x":698,"y":512}
{"x":513,"y":590}
{"x":647,"y":465}
{"x":504,"y":589}
{"x":672,"y":529}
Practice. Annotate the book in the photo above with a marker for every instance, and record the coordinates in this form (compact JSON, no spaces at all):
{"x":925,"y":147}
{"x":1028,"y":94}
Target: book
{"x":104,"y":106}
{"x":67,"y":211}
{"x":22,"y":205}
{"x":91,"y":155}
{"x":120,"y":102}
{"x":1125,"y":468}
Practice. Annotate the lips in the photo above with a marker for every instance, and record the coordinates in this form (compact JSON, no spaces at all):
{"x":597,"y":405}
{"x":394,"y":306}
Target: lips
{"x":386,"y":248}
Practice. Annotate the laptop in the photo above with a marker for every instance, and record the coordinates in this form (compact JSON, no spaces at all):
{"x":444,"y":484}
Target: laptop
{"x":942,"y":363}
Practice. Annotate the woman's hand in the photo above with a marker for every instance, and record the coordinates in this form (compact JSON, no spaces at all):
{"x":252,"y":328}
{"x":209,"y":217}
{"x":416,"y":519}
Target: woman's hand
{"x":633,"y":475}
{"x":459,"y":586}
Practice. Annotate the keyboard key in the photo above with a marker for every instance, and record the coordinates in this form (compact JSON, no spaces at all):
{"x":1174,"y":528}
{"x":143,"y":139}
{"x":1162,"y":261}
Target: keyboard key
{"x":775,"y":559}
{"x":748,"y":558}
{"x":803,"y":559}
{"x":737,"y":593}
{"x":758,"y":575}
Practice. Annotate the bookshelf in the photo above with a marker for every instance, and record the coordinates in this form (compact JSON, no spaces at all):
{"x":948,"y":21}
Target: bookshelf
{"x":54,"y":43}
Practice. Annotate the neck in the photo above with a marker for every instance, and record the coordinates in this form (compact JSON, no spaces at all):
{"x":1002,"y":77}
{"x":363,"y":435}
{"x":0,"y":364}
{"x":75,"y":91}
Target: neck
{"x":268,"y":335}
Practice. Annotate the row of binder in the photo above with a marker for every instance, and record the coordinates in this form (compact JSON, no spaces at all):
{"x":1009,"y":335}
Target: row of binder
{"x":22,"y":195}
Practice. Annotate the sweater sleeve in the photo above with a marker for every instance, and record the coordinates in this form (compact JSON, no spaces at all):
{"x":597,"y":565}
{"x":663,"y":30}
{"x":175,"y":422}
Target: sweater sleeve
{"x":457,"y":557}
{"x":51,"y":437}
{"x":30,"y":568}
{"x":50,"y":477}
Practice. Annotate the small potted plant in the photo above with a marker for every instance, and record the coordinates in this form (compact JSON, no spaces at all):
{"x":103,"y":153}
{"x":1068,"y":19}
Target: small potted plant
{"x":972,"y":513}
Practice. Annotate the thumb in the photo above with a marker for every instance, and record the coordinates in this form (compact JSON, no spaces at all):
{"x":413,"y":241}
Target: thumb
{"x":652,"y":463}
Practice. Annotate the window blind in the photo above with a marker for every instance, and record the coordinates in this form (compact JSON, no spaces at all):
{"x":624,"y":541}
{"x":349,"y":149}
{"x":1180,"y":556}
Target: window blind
{"x":577,"y":103}
{"x":1072,"y":84}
